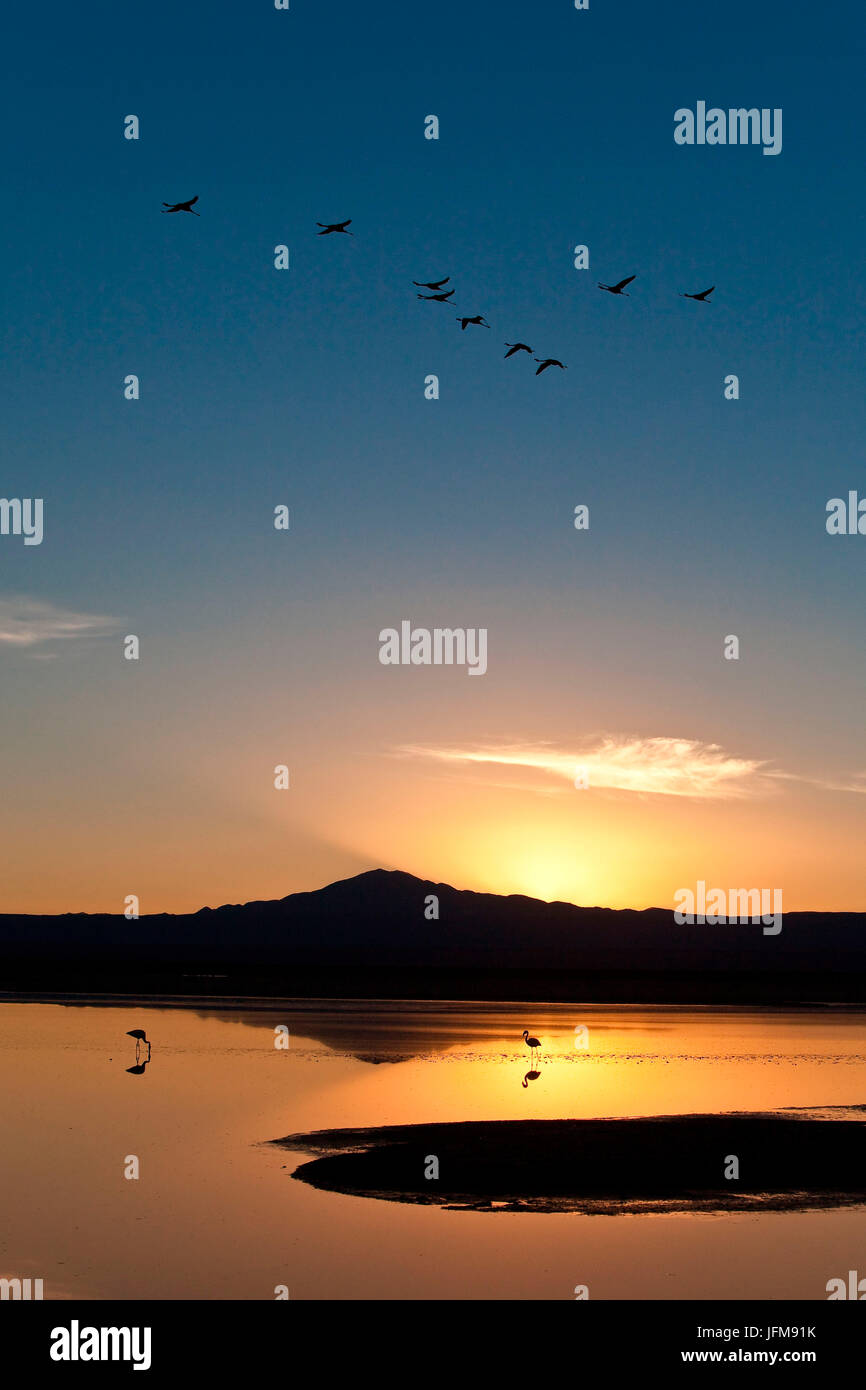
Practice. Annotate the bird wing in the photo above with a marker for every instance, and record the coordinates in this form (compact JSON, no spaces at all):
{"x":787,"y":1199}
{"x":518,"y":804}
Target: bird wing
{"x":622,"y":284}
{"x":343,"y":224}
{"x":709,"y":291}
{"x":193,"y":200}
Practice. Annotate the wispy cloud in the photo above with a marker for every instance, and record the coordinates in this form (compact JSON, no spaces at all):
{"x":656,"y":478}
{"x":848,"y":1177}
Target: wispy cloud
{"x":28,"y":622}
{"x":656,"y":766}
{"x":857,"y":785}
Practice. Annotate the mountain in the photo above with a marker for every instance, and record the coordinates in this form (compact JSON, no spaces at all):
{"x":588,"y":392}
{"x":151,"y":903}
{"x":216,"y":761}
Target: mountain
{"x":375,"y":926}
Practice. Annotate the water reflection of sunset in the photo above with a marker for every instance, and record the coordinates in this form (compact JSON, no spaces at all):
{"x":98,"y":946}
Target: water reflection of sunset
{"x":216,"y":1213}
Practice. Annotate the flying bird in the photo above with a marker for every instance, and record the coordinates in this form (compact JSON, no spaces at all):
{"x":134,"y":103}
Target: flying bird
{"x":334,"y":227}
{"x":533,"y":1044}
{"x":431,"y":284}
{"x":182,"y":207}
{"x":620,"y":288}
{"x":440,"y":298}
{"x":702,"y":297}
{"x":517,"y":347}
{"x":548,"y":362}
{"x":477,"y":318}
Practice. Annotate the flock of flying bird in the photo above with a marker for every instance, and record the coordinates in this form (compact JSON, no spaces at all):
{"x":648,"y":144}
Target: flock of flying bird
{"x":440,"y":295}
{"x":444,"y":297}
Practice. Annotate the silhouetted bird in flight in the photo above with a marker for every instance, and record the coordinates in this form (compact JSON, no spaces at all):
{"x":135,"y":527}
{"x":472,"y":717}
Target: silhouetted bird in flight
{"x":620,"y":288}
{"x":476,"y":318}
{"x":702,"y":296}
{"x":431,"y":284}
{"x":440,"y":298}
{"x":548,"y":362}
{"x":182,"y":207}
{"x":517,"y":347}
{"x":334,"y":227}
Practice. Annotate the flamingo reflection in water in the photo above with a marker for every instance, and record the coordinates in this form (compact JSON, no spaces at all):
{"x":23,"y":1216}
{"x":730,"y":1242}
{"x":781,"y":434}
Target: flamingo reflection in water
{"x":140,"y":1037}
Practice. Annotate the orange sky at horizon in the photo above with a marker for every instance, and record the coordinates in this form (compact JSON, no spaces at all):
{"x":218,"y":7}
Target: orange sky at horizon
{"x":159,"y":782}
{"x":592,"y":847}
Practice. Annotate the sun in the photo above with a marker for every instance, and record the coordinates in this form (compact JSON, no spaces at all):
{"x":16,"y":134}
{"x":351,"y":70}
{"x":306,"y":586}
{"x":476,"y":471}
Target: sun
{"x":545,"y":873}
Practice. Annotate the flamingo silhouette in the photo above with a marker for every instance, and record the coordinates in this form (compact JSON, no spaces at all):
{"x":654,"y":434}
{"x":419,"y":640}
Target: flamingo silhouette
{"x":440,"y":298}
{"x":477,"y":318}
{"x":517,"y":347}
{"x":140,"y":1037}
{"x":431,"y":284}
{"x":548,"y":362}
{"x":533,"y":1044}
{"x":182,"y":207}
{"x":530,"y":1076}
{"x":702,"y":297}
{"x":620,"y":288}
{"x":334,"y":227}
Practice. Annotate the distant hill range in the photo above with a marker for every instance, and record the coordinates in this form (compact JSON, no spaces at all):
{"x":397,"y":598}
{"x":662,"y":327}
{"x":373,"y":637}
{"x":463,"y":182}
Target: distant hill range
{"x":368,"y":936}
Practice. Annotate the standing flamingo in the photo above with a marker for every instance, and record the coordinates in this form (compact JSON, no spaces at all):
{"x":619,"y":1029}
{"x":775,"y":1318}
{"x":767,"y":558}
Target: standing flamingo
{"x":140,"y":1037}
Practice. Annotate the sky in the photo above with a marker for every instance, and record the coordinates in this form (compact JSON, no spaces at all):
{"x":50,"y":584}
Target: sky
{"x":305,"y":388}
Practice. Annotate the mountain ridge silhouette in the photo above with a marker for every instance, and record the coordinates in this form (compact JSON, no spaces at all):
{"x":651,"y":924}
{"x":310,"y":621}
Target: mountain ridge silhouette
{"x":377,"y":919}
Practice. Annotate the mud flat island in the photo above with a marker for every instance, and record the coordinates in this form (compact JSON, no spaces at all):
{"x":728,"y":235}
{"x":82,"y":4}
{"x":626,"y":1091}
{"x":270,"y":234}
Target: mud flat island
{"x":789,"y":1160}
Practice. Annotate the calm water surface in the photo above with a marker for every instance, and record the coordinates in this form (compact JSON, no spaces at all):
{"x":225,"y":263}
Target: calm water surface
{"x":215,"y":1213}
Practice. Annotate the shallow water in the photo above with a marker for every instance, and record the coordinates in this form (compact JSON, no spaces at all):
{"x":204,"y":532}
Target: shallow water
{"x":216,"y":1214}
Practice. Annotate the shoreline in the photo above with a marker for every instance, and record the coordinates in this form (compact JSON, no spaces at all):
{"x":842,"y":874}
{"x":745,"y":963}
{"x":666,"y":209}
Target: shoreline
{"x":228,"y":1002}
